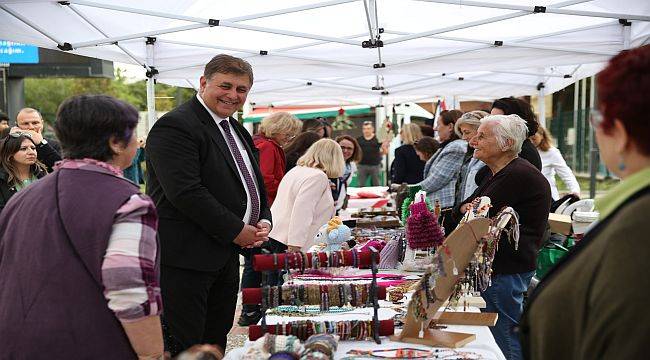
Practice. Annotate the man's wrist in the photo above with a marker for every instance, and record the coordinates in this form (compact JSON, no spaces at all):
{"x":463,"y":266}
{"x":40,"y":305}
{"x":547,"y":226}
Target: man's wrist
{"x":268,"y":222}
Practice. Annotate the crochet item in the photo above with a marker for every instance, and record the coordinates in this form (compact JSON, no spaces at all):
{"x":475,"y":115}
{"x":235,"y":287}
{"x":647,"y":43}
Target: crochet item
{"x":320,"y":346}
{"x":422,"y":228}
{"x":270,"y":344}
{"x":377,"y":244}
{"x":389,"y":256}
{"x":333,"y":234}
{"x":413,"y":194}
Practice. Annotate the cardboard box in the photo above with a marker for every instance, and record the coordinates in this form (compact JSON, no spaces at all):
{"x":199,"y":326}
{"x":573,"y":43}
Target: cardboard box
{"x":560,"y":223}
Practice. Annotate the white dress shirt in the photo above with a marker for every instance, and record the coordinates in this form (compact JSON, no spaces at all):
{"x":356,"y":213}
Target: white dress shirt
{"x":247,"y":161}
{"x":552,"y":162}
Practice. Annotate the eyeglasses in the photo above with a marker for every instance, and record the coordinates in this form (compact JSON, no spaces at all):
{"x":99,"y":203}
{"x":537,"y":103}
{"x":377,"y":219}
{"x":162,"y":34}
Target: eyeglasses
{"x":19,"y":134}
{"x":595,"y":118}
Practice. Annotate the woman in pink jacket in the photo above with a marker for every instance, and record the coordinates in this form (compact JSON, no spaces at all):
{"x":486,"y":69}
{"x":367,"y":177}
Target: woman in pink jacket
{"x":304,"y":201}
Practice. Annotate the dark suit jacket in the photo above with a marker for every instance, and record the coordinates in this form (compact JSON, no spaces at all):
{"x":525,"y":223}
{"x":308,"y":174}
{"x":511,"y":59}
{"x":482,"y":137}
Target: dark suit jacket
{"x":407,"y":166}
{"x":196,"y":187}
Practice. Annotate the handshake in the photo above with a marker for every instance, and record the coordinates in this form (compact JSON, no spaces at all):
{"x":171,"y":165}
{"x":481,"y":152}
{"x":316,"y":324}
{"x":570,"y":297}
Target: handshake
{"x":253,"y":236}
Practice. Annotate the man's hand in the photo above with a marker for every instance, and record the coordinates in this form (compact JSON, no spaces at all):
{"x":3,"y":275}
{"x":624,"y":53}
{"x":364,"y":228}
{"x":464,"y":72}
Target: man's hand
{"x":247,"y":236}
{"x":251,"y":236}
{"x":263,"y":229}
{"x":36,"y":137}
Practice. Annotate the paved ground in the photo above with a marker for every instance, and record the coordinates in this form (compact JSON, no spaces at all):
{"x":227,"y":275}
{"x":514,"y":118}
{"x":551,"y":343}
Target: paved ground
{"x":238,"y":335}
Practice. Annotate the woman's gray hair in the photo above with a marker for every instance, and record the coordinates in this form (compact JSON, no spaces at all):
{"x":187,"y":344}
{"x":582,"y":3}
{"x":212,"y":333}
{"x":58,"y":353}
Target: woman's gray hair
{"x":508,"y":127}
{"x":472,"y":118}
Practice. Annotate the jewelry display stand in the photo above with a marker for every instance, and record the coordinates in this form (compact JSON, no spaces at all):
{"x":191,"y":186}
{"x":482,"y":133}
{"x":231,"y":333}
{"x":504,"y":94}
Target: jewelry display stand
{"x":267,"y":263}
{"x":457,"y":251}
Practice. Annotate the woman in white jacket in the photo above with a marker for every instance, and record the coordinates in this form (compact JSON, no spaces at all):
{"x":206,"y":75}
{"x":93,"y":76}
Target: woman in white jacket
{"x":553,"y":162}
{"x":304,"y":201}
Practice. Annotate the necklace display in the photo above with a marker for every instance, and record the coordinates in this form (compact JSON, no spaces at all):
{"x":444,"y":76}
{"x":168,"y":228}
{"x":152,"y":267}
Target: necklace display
{"x":478,"y":275}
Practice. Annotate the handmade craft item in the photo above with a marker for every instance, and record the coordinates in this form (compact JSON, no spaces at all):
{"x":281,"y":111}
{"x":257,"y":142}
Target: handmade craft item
{"x":478,"y":274}
{"x":390,"y":255}
{"x":332,"y":235}
{"x":342,"y":121}
{"x":437,"y":285}
{"x":320,"y":346}
{"x":415,"y":192}
{"x":422,"y":228}
{"x":324,"y":294}
{"x":345,"y":330}
{"x":270,"y":344}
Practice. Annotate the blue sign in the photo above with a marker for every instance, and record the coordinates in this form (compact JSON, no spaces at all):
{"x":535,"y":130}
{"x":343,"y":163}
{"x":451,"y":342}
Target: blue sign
{"x":17,"y":53}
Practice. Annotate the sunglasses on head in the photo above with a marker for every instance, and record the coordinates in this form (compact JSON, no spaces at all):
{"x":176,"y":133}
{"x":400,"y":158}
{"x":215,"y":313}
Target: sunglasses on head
{"x":19,"y":134}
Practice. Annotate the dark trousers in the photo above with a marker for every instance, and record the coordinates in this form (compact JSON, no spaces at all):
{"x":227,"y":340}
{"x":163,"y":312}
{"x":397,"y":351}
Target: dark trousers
{"x":199,"y":306}
{"x":253,"y":279}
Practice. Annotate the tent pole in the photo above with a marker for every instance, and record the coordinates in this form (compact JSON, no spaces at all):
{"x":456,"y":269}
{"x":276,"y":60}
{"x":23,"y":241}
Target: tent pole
{"x":151,"y":83}
{"x":126,"y":51}
{"x":541,"y":104}
{"x":112,"y":40}
{"x":542,"y":9}
{"x":576,"y":98}
{"x":627,"y":33}
{"x":594,"y":155}
{"x":477,"y":22}
{"x":31,"y":24}
{"x":593,"y":148}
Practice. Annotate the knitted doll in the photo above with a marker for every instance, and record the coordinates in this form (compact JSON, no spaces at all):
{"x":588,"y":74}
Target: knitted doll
{"x":414,"y":193}
{"x":333,"y":234}
{"x":422,"y":228}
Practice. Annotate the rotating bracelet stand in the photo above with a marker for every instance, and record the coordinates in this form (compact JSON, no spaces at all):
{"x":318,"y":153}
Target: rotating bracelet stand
{"x":267,"y":263}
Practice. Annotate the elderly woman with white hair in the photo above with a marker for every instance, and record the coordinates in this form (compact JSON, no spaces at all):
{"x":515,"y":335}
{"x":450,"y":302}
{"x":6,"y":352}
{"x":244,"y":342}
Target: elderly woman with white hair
{"x":516,"y":183}
{"x":466,"y":127}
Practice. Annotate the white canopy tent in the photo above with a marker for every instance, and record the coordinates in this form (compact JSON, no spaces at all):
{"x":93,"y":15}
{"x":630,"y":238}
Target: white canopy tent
{"x":345,"y":51}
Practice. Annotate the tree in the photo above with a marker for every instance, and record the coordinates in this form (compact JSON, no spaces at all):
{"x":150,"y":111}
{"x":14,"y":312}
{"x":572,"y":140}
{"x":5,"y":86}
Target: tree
{"x":46,"y":94}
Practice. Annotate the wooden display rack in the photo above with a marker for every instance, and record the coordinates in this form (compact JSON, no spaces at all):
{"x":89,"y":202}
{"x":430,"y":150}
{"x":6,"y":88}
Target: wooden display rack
{"x":462,"y":243}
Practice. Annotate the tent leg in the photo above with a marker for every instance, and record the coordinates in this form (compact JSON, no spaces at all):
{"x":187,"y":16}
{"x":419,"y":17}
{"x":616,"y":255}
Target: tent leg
{"x":151,"y":84}
{"x":541,"y":104}
{"x":593,"y":153}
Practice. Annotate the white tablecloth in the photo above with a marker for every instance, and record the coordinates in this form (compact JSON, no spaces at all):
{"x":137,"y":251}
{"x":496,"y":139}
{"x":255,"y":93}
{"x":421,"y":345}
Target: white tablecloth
{"x":366,"y":203}
{"x":484,"y":345}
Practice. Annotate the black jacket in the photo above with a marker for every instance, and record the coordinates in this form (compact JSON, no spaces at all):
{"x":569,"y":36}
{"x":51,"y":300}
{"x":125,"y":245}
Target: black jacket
{"x":407,"y":166}
{"x":46,"y":154}
{"x":195,"y":184}
{"x":527,"y":191}
{"x":6,"y":191}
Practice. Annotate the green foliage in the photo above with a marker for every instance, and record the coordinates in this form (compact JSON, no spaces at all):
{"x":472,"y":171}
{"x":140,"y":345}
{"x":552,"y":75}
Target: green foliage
{"x":46,"y":94}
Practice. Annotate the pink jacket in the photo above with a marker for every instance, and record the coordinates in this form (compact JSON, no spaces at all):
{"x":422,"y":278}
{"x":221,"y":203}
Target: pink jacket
{"x":303,"y":204}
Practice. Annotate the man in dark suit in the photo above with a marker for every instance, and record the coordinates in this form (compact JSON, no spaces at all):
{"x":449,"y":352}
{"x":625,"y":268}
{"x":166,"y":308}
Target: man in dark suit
{"x":204,"y":177}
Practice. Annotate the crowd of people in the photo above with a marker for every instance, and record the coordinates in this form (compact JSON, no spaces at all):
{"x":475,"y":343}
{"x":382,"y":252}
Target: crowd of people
{"x":80,"y":244}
